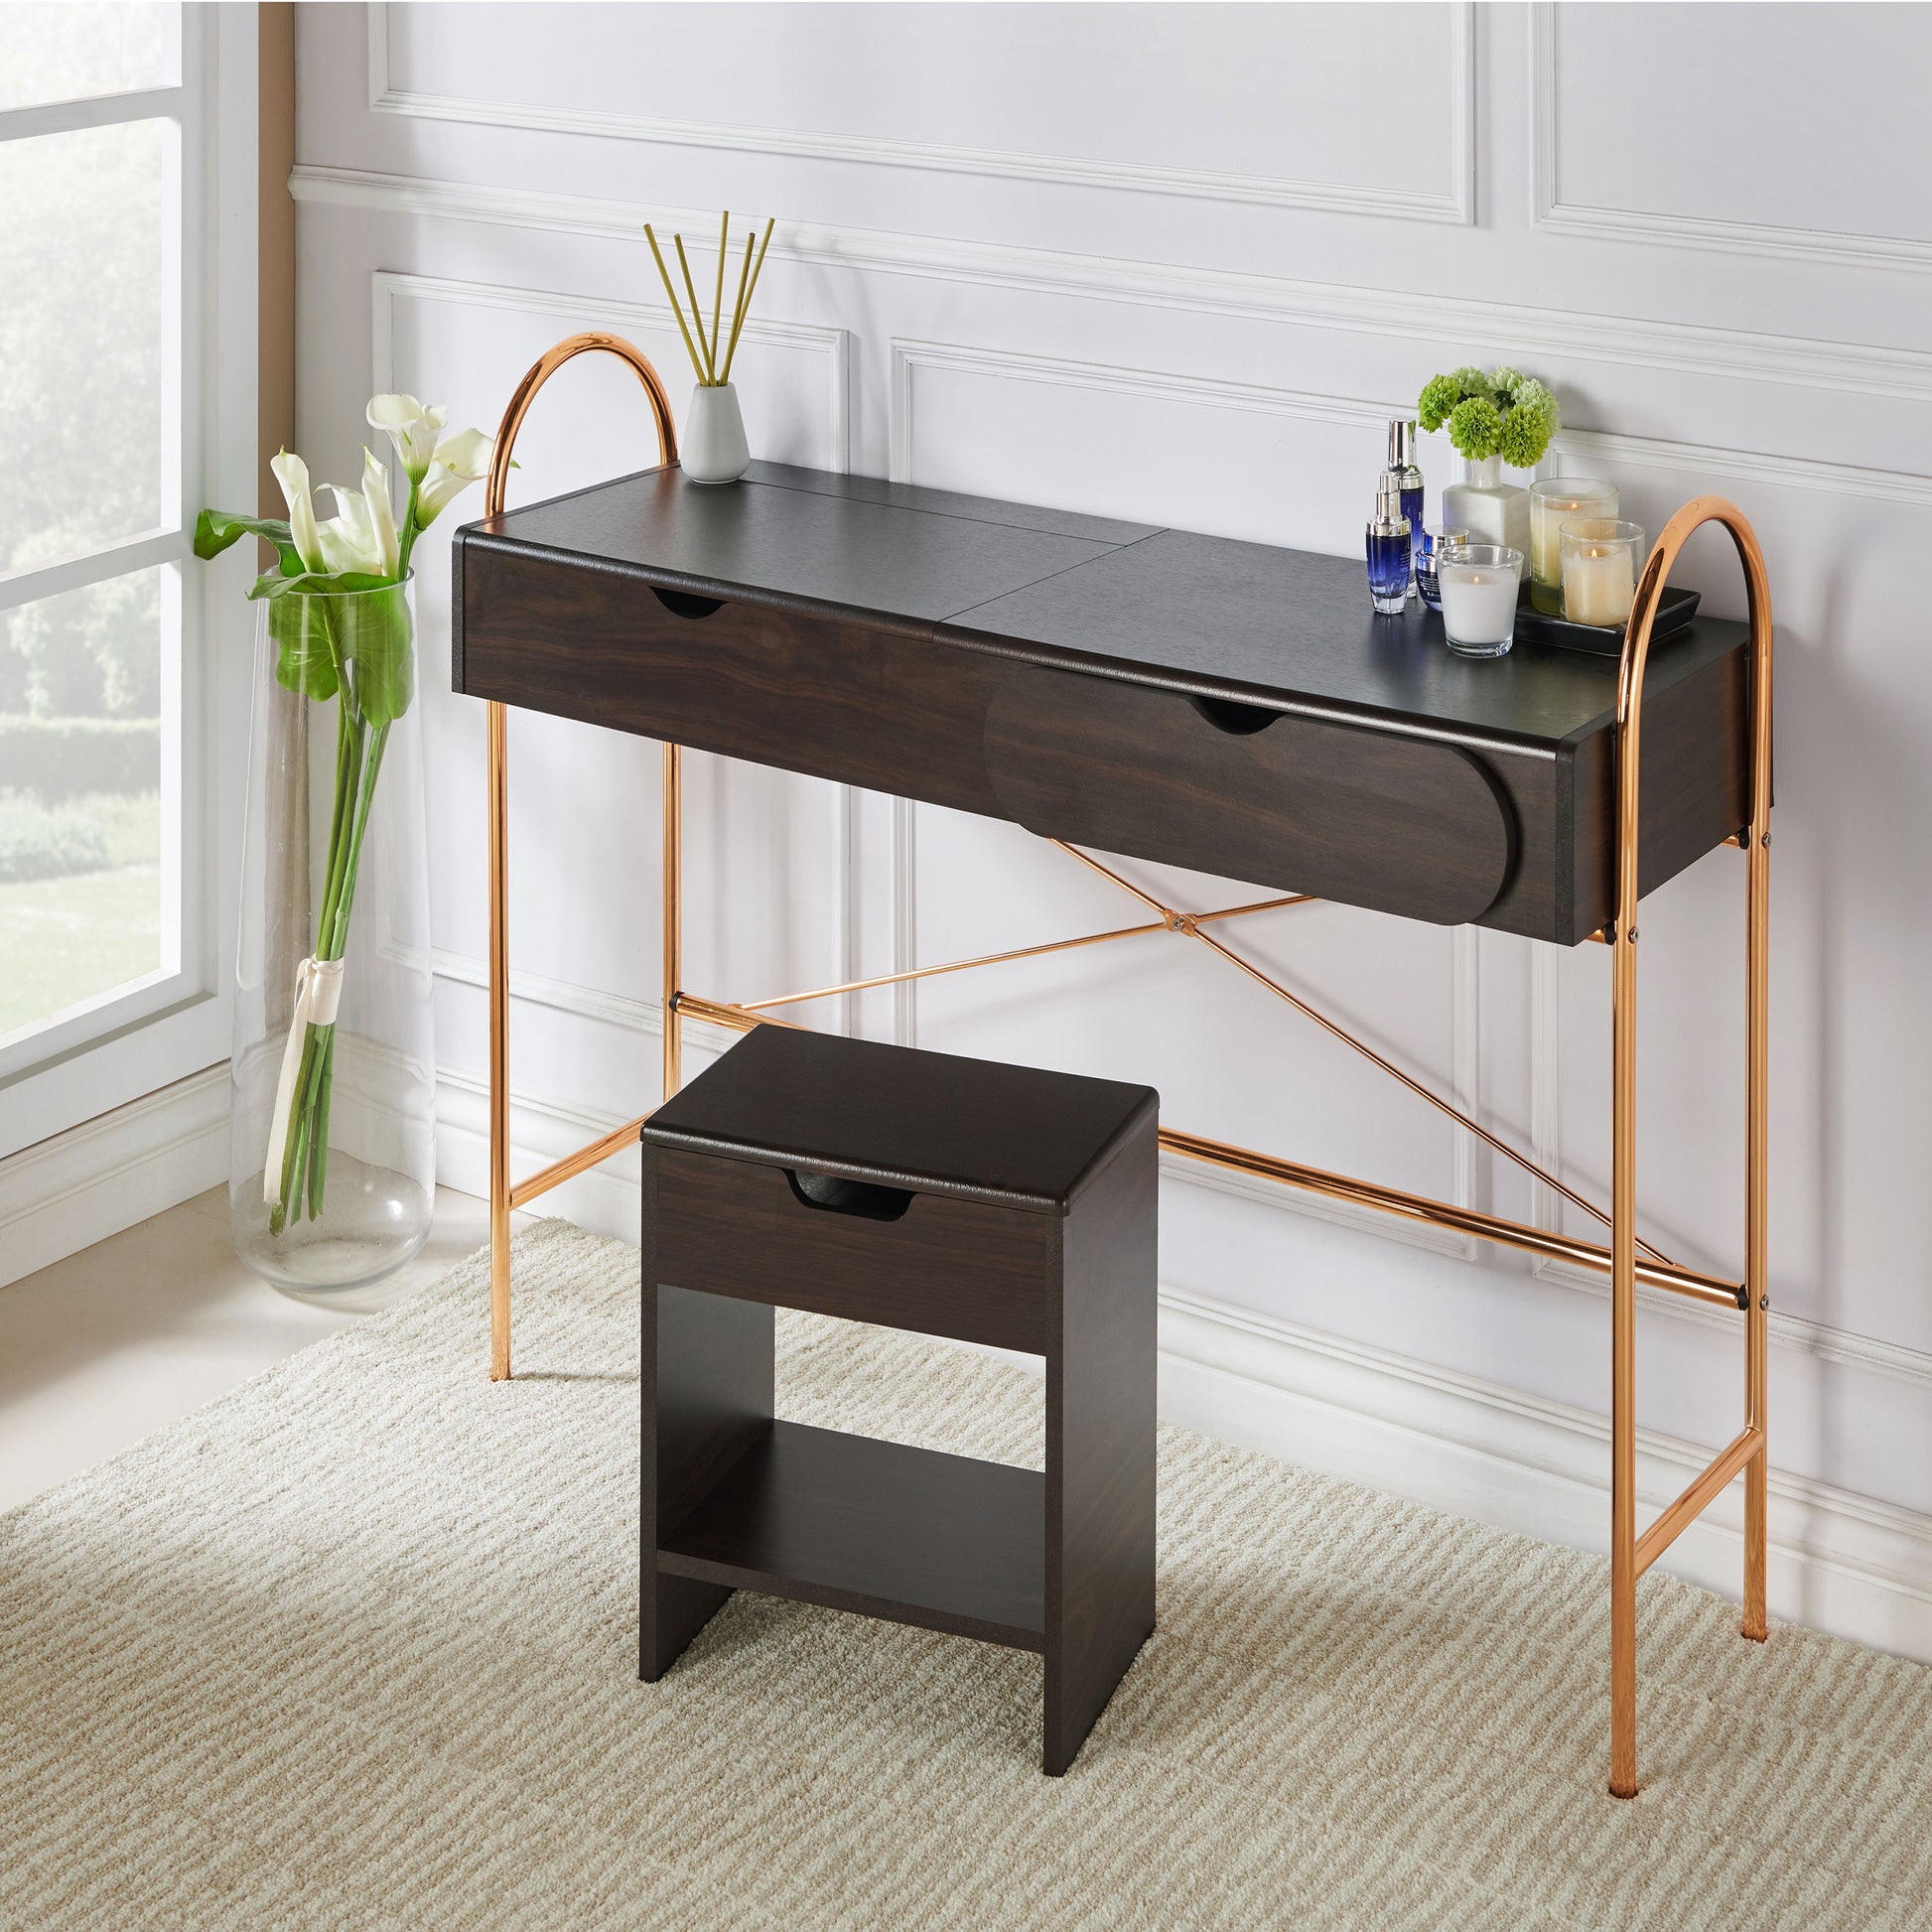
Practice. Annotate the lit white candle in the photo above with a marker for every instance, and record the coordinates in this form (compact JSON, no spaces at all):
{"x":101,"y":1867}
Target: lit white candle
{"x":1554,"y":501}
{"x":1599,"y":583}
{"x":1480,"y":601}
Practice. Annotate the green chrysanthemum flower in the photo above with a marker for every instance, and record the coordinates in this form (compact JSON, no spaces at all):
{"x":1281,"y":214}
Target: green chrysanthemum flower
{"x":1529,"y":425}
{"x":1502,"y":413}
{"x":1439,"y":396}
{"x":1476,"y":427}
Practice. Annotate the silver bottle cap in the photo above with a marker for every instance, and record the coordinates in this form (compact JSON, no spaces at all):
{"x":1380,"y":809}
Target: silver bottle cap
{"x":1402,"y":443}
{"x":1389,"y":519}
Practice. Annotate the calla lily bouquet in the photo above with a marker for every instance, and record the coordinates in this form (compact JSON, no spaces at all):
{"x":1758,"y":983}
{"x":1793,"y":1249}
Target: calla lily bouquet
{"x":338,"y":617}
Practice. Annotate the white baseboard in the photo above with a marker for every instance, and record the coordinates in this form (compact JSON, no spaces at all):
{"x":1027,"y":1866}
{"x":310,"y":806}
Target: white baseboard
{"x":66,"y":1193}
{"x":1839,"y":1561}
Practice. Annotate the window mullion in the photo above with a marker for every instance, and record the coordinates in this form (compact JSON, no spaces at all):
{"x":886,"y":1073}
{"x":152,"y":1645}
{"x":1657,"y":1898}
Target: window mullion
{"x":98,"y":110}
{"x":92,"y":567}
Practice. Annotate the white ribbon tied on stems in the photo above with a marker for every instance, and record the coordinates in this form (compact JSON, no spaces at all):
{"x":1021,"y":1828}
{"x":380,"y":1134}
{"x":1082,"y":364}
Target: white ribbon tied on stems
{"x":318,"y":997}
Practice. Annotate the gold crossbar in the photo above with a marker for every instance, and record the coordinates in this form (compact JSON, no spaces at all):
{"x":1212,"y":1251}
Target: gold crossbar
{"x":1699,"y":1496}
{"x":1170,"y":922}
{"x":1713,"y":1289}
{"x":572,"y":1164}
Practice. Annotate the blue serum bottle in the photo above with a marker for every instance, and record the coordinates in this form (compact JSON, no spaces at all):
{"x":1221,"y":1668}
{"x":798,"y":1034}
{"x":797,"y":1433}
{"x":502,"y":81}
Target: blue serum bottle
{"x":1389,"y":567}
{"x":1408,"y":481}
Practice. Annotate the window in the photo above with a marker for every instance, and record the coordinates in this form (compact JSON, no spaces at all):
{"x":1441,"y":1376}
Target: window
{"x":113,"y":425}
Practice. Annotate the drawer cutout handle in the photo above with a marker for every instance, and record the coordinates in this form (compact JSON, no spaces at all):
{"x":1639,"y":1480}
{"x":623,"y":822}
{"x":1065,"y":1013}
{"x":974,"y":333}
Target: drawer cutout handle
{"x":1229,"y":715}
{"x":685,"y":604}
{"x":831,"y":1194}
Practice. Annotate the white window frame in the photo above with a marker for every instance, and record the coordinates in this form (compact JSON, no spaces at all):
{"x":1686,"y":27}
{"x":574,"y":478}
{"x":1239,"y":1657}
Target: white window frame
{"x":176,"y":1022}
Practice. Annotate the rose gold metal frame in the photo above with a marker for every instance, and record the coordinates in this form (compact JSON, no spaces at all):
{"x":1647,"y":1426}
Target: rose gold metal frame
{"x":503,"y":1196}
{"x":1631,"y":1554}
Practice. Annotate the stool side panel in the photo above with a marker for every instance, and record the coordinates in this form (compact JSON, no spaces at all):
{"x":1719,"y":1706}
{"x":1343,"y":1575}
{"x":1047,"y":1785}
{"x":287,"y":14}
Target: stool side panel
{"x":947,"y":1267}
{"x":707,"y":1386}
{"x":1100,"y":1435}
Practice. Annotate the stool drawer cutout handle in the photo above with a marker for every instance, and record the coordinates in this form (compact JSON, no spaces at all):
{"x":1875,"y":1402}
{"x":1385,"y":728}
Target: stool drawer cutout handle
{"x":831,"y":1194}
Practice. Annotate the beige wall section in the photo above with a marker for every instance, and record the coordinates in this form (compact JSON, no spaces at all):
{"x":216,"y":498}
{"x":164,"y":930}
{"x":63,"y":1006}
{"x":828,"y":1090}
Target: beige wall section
{"x":275,"y":412}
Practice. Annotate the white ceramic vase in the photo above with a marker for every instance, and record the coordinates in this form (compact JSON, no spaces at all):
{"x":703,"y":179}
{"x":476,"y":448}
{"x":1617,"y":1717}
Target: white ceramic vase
{"x":1495,"y":511}
{"x":713,"y":449}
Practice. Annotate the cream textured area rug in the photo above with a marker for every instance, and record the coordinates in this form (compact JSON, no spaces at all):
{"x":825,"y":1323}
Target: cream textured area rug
{"x":355,"y":1647}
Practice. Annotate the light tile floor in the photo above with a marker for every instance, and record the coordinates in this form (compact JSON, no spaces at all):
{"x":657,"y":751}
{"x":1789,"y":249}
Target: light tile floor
{"x":112,"y":1343}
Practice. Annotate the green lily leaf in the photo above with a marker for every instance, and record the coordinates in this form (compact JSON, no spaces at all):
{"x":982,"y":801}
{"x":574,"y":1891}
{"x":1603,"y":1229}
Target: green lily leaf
{"x":315,"y":583}
{"x":305,"y":650}
{"x":375,"y":644}
{"x":215,"y":530}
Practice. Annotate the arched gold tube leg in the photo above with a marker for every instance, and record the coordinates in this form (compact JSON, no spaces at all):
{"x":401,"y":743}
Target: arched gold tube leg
{"x":673,"y":917}
{"x":498,"y":729}
{"x":1624,"y":1153}
{"x":494,"y":493}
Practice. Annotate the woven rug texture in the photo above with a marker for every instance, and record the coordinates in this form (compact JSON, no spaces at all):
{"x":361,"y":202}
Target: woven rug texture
{"x":355,"y":1647}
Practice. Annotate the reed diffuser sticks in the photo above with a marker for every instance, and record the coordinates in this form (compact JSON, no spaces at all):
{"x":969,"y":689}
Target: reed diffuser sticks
{"x":713,"y":370}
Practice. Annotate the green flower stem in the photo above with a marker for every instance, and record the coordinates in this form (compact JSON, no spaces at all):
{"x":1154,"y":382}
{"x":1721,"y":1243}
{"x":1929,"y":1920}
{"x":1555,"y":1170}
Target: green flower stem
{"x":319,"y":1144}
{"x":338,"y":943}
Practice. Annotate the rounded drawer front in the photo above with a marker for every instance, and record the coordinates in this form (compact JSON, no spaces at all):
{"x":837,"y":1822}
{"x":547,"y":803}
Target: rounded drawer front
{"x":1395,"y":824}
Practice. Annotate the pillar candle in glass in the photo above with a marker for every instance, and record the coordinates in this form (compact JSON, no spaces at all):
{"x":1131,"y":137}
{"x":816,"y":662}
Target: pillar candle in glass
{"x":1601,"y":560}
{"x":1553,"y":502}
{"x":1479,"y":584}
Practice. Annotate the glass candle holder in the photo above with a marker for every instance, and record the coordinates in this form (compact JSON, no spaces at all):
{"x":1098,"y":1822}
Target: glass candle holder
{"x":1601,"y":560}
{"x":1554,"y":501}
{"x":1479,"y":584}
{"x":1428,"y":547}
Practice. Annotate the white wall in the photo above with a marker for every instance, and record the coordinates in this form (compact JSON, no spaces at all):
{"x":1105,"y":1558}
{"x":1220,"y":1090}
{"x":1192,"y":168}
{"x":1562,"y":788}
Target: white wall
{"x":1178,"y":265}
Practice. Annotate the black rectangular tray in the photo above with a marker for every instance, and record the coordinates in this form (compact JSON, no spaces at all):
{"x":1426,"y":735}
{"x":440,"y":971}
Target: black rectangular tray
{"x":1674,"y":609}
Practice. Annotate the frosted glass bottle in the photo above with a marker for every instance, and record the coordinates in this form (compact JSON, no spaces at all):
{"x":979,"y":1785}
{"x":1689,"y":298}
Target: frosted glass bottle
{"x":1495,"y":511}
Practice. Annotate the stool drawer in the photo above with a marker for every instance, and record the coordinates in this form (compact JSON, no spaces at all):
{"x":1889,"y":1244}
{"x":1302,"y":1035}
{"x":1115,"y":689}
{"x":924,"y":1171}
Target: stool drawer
{"x":937,"y":1265}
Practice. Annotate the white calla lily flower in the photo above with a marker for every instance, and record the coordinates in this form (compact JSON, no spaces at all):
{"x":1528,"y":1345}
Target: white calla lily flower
{"x":461,"y":460}
{"x":349,"y":538}
{"x":412,"y":427}
{"x":293,"y":475}
{"x":383,"y":515}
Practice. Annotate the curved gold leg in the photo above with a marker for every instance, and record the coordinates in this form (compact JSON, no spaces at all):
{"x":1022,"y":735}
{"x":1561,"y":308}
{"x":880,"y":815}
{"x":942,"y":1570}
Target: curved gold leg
{"x":1625,"y":1564}
{"x":498,"y":759}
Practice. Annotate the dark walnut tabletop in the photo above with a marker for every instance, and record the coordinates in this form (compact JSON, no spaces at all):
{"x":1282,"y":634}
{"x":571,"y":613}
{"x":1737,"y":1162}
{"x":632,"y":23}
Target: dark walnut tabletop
{"x":1232,"y":706}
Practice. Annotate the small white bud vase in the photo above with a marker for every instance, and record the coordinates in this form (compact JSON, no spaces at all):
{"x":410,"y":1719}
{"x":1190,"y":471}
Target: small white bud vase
{"x":1497,"y":512}
{"x":712,"y":447}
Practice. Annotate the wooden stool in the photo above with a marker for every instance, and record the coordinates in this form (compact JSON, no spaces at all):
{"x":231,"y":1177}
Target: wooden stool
{"x":919,"y":1191}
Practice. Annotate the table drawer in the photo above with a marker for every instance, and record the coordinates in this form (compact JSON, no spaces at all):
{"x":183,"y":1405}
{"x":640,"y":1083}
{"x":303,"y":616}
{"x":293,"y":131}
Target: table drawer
{"x":873,"y":705}
{"x":925,"y":1262}
{"x":1396,"y":824}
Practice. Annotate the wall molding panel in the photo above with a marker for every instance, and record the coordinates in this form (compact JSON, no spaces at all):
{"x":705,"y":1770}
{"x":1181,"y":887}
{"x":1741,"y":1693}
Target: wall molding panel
{"x":1830,"y":247}
{"x":1456,"y":203}
{"x":1476,"y":326}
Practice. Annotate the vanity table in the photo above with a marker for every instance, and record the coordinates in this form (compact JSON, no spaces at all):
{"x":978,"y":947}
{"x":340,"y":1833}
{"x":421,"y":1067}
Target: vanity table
{"x":1229,"y":707}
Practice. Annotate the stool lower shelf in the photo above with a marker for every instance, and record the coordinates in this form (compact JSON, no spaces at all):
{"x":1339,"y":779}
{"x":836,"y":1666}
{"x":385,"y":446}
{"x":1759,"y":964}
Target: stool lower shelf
{"x":907,"y":1535}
